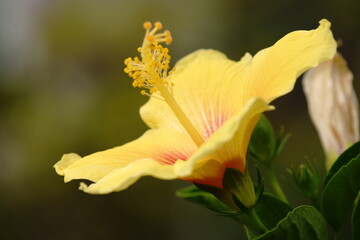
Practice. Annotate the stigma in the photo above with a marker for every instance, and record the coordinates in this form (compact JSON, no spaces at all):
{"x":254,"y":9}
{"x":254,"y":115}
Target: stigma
{"x":151,"y":71}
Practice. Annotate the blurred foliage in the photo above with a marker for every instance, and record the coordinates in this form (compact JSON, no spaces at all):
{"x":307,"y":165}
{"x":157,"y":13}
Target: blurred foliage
{"x":62,"y":89}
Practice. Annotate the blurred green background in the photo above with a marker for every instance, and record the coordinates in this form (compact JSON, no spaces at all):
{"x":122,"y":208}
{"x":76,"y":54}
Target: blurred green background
{"x":62,"y":89}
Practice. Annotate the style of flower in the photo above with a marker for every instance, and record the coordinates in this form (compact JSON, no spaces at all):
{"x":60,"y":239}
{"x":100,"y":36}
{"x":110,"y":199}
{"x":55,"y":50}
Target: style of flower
{"x":201,"y":115}
{"x":333,"y":106}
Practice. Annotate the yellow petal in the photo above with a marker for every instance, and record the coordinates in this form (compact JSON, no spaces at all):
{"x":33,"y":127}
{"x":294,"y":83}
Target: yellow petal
{"x":65,"y":162}
{"x":122,"y":178}
{"x":156,"y":151}
{"x":229,"y":144}
{"x":210,"y":173}
{"x":207,"y":86}
{"x":162,"y":146}
{"x":275,"y":69}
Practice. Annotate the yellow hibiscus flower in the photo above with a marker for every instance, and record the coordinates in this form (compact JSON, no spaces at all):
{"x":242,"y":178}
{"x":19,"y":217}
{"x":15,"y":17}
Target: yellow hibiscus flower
{"x":201,"y":115}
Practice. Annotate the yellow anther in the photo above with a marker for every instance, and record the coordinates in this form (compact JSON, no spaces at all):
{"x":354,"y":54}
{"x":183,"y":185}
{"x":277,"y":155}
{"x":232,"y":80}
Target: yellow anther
{"x":147,"y":25}
{"x":158,"y":25}
{"x":150,"y":38}
{"x":151,"y":71}
{"x":168,"y":40}
{"x":135,"y":74}
{"x":172,"y":71}
{"x":127,"y":60}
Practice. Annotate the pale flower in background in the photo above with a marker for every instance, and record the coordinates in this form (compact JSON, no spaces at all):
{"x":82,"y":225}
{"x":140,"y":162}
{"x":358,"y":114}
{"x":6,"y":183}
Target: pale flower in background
{"x":333,"y":106}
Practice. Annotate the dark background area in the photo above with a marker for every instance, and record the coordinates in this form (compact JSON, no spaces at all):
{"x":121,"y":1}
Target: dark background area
{"x":62,"y":89}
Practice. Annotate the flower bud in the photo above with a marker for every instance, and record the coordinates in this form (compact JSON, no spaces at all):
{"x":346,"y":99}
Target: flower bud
{"x":238,"y":192}
{"x":333,"y":106}
{"x":241,"y":188}
{"x":306,"y":180}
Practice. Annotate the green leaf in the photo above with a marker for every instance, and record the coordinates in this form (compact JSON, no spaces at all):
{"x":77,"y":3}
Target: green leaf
{"x":208,"y":200}
{"x":355,"y":219}
{"x":303,"y":223}
{"x":271,"y":210}
{"x":340,"y":193}
{"x":263,"y":141}
{"x":249,"y":233}
{"x":203,"y":198}
{"x":265,"y":145}
{"x":352,"y":152}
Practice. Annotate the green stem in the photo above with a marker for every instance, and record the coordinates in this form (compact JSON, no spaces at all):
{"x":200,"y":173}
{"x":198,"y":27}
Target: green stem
{"x":275,"y":183}
{"x":255,"y":220}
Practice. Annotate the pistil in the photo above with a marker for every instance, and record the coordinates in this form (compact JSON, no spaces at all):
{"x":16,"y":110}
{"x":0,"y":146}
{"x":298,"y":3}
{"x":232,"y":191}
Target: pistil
{"x":151,"y":73}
